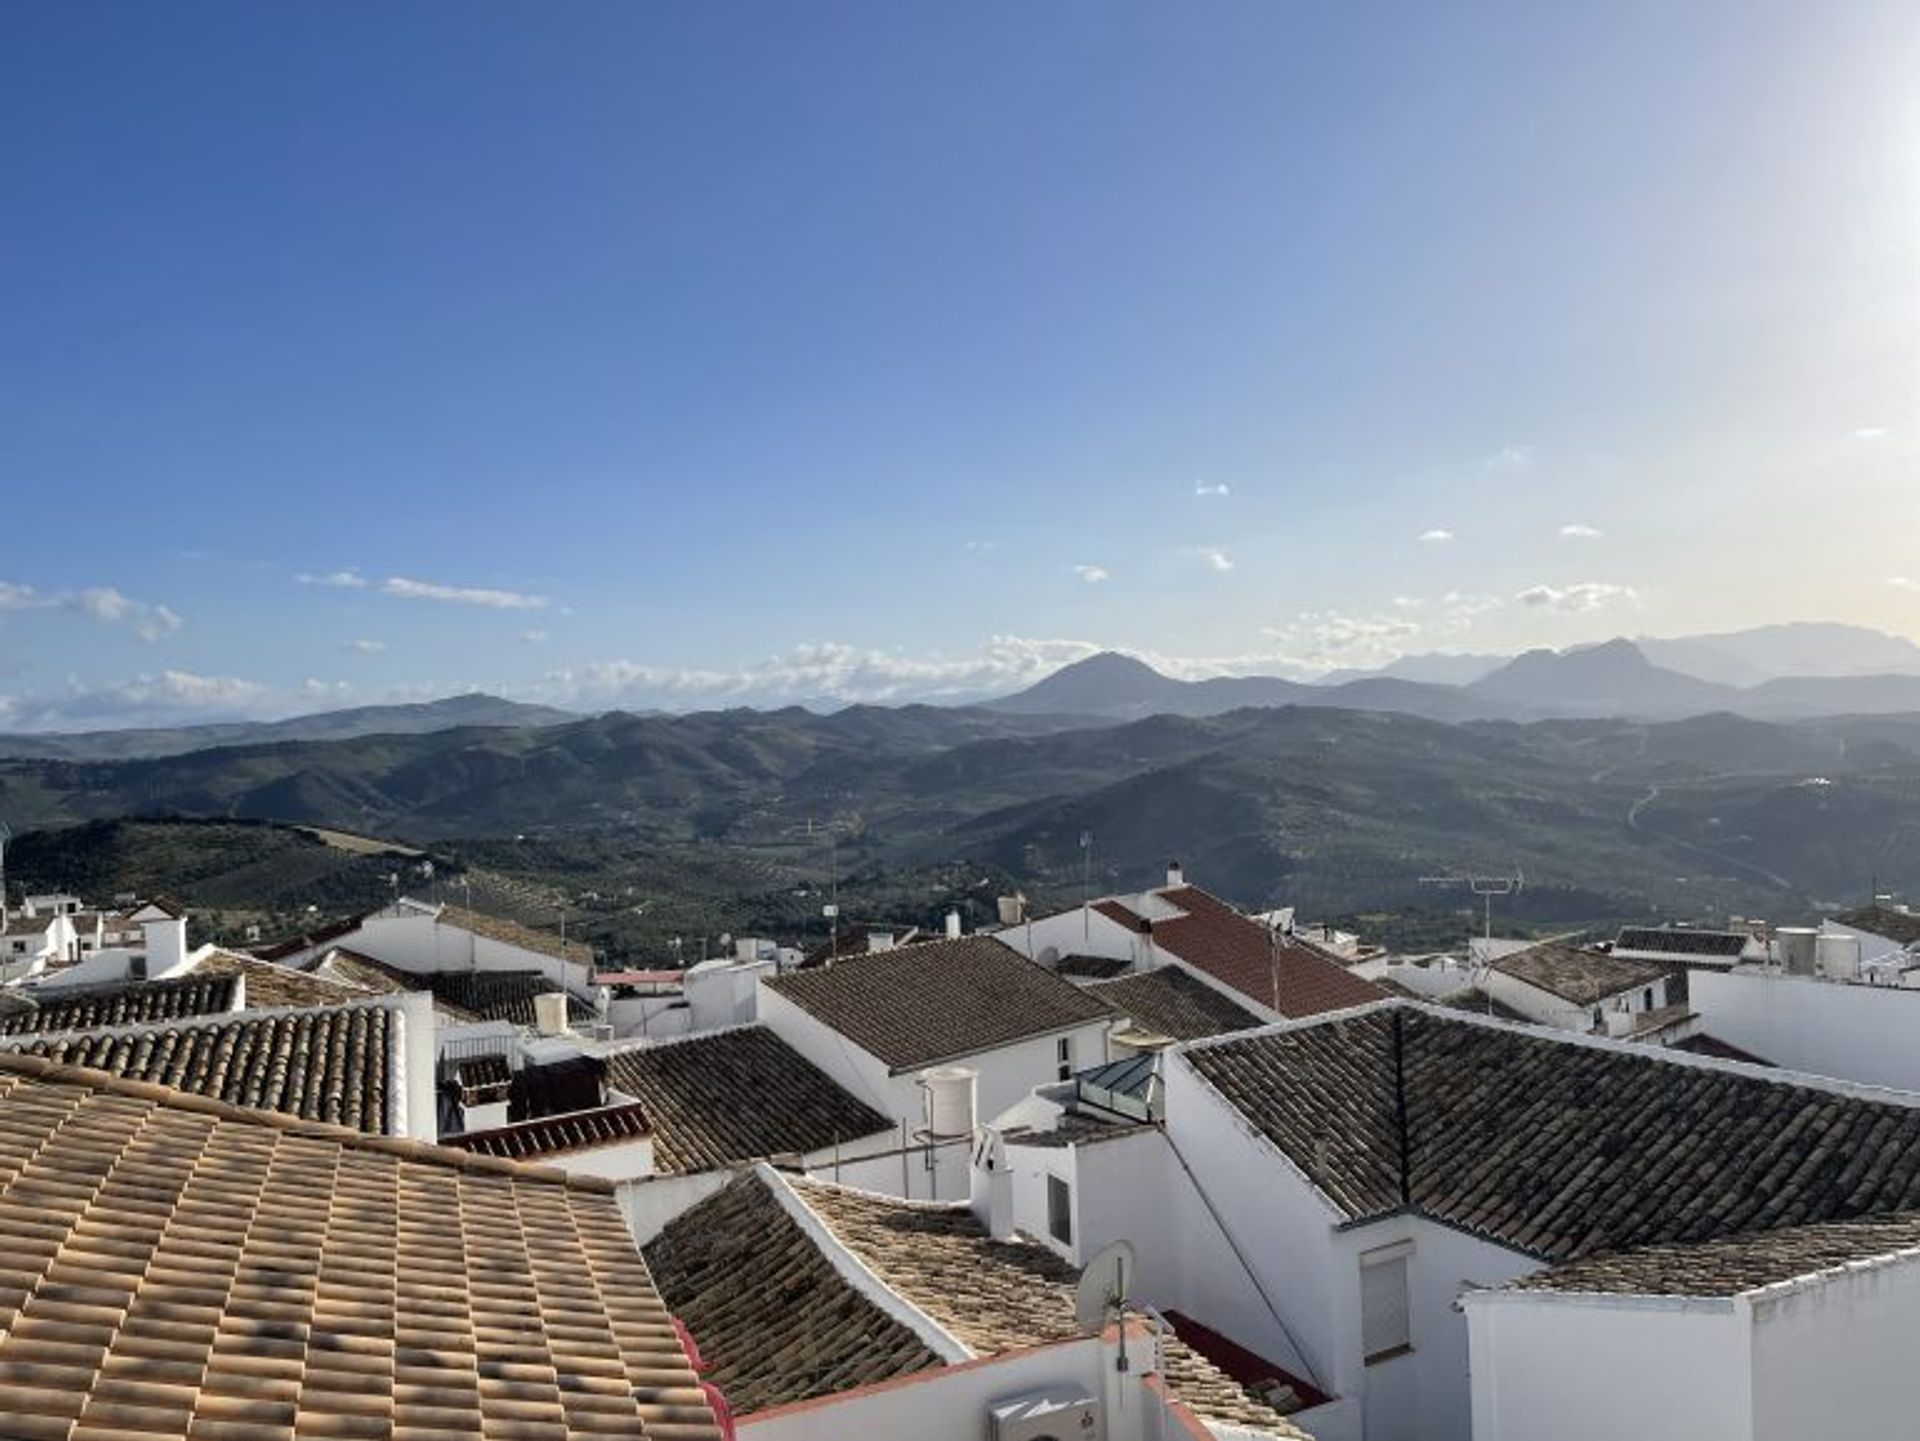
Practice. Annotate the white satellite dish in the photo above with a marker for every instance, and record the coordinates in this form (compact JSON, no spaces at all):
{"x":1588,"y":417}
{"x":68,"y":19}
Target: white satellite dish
{"x":1105,"y":1285}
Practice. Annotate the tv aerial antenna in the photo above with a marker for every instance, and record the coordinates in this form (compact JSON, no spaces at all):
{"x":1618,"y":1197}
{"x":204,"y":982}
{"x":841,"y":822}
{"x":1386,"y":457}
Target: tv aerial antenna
{"x":6,"y":834}
{"x":1104,"y":1292}
{"x":1484,"y":887}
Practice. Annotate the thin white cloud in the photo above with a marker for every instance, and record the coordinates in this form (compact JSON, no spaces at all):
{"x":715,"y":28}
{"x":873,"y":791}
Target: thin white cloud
{"x":1203,"y":488}
{"x":364,"y":646}
{"x":102,"y":603}
{"x":336,"y":580}
{"x":1409,"y":602}
{"x":1903,"y":582}
{"x":1510,"y":459}
{"x":1436,"y":536}
{"x":1578,"y":531}
{"x":1314,"y":642}
{"x":1871,"y":432}
{"x":1216,"y":560}
{"x":1091,"y":574}
{"x":535,"y":636}
{"x":461,"y":594}
{"x":1586,"y":595}
{"x":169,"y":697}
{"x":981,"y":546}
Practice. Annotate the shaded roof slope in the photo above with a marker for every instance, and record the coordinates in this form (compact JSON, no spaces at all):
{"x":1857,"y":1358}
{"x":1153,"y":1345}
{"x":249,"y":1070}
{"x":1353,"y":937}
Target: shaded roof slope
{"x":1582,"y":977}
{"x":180,"y":1267}
{"x":772,"y":1318}
{"x":916,"y":1005}
{"x":1271,"y":970}
{"x":1171,"y":1002}
{"x":1682,"y":941}
{"x":1557,"y":1147}
{"x":329,"y":1064}
{"x":738,"y":1095}
{"x":1896,"y":925}
{"x":27,"y":1010}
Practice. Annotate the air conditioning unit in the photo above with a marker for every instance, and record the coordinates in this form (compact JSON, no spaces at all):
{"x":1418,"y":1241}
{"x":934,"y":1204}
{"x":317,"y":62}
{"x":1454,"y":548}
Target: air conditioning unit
{"x":1053,"y":1413}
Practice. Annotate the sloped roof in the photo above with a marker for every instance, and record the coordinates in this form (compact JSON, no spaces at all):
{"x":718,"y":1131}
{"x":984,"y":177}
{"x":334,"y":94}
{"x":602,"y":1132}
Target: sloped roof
{"x":274,"y":985}
{"x":1171,"y":1002}
{"x":740,"y":1271}
{"x":1732,"y":1264}
{"x":181,"y":1267}
{"x":1583,"y":977}
{"x":744,"y":1094}
{"x":1272,"y":970}
{"x":512,"y":933}
{"x":1902,"y":927}
{"x":1555,"y":1146}
{"x":916,"y":1005}
{"x":557,"y":1135}
{"x":328,"y":1064}
{"x":30,"y":1010}
{"x":1682,"y":941}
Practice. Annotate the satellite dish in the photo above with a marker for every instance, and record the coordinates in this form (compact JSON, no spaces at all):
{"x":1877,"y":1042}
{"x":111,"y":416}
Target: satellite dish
{"x":1104,"y":1287}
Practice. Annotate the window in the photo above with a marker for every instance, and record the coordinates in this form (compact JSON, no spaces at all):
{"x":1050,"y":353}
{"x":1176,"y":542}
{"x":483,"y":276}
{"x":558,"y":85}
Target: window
{"x":1059,"y":1210}
{"x":1064,"y":1054}
{"x":1385,"y":1324}
{"x":1646,"y":999}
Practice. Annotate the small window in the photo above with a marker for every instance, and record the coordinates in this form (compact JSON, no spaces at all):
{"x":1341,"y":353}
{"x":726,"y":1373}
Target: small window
{"x":1384,"y":1314}
{"x":1646,"y":998}
{"x":1064,"y":1054}
{"x":1060,"y":1210}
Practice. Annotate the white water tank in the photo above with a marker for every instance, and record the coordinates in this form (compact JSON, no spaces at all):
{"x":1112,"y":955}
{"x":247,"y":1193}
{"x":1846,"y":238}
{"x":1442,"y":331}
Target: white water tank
{"x":949,"y":1100}
{"x":550,"y":1013}
{"x":1798,"y":948}
{"x":953,"y":925}
{"x":1838,"y":957}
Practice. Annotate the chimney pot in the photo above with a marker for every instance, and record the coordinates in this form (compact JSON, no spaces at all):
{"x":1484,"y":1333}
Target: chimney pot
{"x":1175,"y":875}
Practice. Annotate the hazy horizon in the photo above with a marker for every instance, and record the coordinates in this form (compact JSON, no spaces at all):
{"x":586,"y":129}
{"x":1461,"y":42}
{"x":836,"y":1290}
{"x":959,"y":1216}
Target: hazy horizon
{"x":641,"y":357}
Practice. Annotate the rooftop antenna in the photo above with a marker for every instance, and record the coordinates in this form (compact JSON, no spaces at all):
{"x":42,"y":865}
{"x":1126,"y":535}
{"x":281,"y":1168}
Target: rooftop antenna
{"x":1086,"y":887}
{"x":1486,"y":887}
{"x":1102,"y":1296}
{"x":6,"y":834}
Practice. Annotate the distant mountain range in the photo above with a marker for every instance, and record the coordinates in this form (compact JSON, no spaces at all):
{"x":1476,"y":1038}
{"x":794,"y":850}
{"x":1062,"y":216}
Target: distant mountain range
{"x":1616,"y":678}
{"x":452,"y":712}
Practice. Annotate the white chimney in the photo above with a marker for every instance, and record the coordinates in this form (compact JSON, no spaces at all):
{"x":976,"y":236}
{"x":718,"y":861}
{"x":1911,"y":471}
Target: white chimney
{"x":166,"y":945}
{"x":550,"y":1013}
{"x":1175,"y":876}
{"x":879,"y":941}
{"x":953,"y":925}
{"x":990,"y":1185}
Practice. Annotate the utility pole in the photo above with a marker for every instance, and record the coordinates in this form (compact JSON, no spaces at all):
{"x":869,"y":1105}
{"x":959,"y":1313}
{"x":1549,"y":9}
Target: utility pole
{"x":1086,"y":887}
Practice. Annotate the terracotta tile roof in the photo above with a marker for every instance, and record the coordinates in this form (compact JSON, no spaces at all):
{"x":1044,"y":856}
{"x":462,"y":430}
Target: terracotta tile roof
{"x":179,"y":1267}
{"x":512,"y":933}
{"x":1902,"y":927}
{"x":916,"y":1005}
{"x":718,"y":1099}
{"x":1554,"y":1146}
{"x":498,"y":995}
{"x":1583,"y":977}
{"x":1682,"y":941}
{"x":1212,"y":936}
{"x":1171,"y":1002}
{"x":319,"y":936}
{"x":271,"y":985}
{"x":772,"y":1318}
{"x":555,"y":1135}
{"x":483,"y":1080}
{"x":1732,"y":1264}
{"x":1477,"y":1002}
{"x":330,"y":1064}
{"x":778,"y":1323}
{"x":26,"y":1010}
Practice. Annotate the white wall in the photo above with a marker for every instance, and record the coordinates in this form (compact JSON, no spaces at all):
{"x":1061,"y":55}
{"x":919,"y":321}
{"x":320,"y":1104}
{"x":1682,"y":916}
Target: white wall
{"x":1586,"y":1368}
{"x":1869,"y":1034}
{"x":416,"y":940}
{"x":1547,"y":1009}
{"x":649,"y":1017}
{"x":1073,"y":933}
{"x":1834,"y":1357}
{"x":725,"y":994}
{"x":650,"y":1203}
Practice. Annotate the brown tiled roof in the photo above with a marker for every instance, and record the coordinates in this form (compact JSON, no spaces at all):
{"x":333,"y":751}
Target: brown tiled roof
{"x":1213,"y":937}
{"x":996,"y":1296}
{"x":1682,"y":941}
{"x":1732,"y":1264}
{"x":1477,"y":1002}
{"x":319,"y":936}
{"x":777,"y":1322}
{"x":738,"y":1095}
{"x":772,"y":1318}
{"x":1095,"y":968}
{"x":330,"y":1064}
{"x":1583,"y":977}
{"x":512,"y":933}
{"x":555,"y":1135}
{"x":1171,"y":1002}
{"x":498,"y":995}
{"x":177,"y":1267}
{"x":24,"y":1011}
{"x":483,"y":1079}
{"x":271,"y":985}
{"x":1899,"y":926}
{"x":1554,"y":1146}
{"x":916,"y":1005}
{"x":356,"y":969}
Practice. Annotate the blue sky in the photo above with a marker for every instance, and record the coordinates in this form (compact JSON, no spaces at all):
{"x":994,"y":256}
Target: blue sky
{"x":624,"y":354}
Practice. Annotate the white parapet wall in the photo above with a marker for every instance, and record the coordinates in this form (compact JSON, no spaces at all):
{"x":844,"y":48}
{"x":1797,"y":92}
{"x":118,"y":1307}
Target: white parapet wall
{"x":1830,"y":1028}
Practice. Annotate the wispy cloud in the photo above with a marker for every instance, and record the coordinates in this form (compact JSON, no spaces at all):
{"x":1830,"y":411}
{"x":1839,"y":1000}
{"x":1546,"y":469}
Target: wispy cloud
{"x":408,"y":589}
{"x":533,"y":637}
{"x":102,"y":603}
{"x":1510,"y":459}
{"x":1215,"y":559}
{"x":168,"y":697}
{"x":1586,"y":595}
{"x":1211,"y":487}
{"x":1436,"y":536}
{"x":1314,"y":642}
{"x":1091,"y":574}
{"x":365,"y":646}
{"x":979,"y":546}
{"x":1871,"y":432}
{"x":1577,"y":531}
{"x":1903,"y":582}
